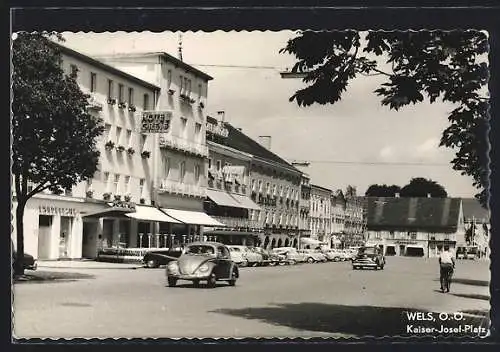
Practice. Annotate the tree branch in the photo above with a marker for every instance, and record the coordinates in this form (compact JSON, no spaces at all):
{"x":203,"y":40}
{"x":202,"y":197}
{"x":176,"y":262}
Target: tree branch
{"x":39,"y":188}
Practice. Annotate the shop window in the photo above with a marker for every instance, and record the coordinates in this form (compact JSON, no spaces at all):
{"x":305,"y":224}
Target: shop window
{"x":145,"y":102}
{"x":45,"y":220}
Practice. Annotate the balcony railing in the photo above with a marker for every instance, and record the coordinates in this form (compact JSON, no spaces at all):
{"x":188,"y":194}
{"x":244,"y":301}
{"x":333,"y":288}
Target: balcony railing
{"x":237,"y":222}
{"x":176,"y":187}
{"x":183,"y":145}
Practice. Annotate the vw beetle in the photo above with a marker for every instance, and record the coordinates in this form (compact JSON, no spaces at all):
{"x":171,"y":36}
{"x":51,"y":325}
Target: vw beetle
{"x":203,"y":261}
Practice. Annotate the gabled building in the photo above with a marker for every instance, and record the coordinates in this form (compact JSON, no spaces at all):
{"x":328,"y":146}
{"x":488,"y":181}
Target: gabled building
{"x":477,"y":224}
{"x":414,"y":226}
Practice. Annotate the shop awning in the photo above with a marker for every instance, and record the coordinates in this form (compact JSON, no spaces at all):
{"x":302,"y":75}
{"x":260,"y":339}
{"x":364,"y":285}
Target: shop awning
{"x":146,"y":213}
{"x":111,"y":212}
{"x":222,"y":198}
{"x":192,"y":217}
{"x":245,"y":202}
{"x":231,"y":233}
{"x":415,"y":246}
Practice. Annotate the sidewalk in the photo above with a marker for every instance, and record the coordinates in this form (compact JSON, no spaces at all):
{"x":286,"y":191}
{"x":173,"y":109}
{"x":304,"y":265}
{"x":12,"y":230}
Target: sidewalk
{"x":85,"y":264}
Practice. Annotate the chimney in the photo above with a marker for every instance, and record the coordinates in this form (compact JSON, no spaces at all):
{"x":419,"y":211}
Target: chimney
{"x":396,"y":195}
{"x":222,"y":115}
{"x":265,"y":141}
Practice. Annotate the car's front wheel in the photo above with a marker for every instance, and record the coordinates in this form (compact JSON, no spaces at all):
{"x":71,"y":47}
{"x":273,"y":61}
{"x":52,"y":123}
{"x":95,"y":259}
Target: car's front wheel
{"x":310,"y":260}
{"x":234,"y":277}
{"x":152,"y":263}
{"x":172,"y":281}
{"x":212,"y":281}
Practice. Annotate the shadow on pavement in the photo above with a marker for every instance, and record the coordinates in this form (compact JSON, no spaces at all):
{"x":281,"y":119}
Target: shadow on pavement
{"x":50,"y":276}
{"x":351,"y":320}
{"x":472,"y":295}
{"x":469,"y":282}
{"x":199,"y":287}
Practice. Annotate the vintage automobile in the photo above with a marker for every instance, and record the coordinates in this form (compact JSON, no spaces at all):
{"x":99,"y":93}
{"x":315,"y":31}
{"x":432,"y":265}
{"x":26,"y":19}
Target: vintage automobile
{"x":244,"y":256}
{"x":313,"y":256}
{"x":268,"y":257}
{"x":203,"y":261}
{"x":289,"y":255}
{"x":333,"y":255}
{"x":29,"y":262}
{"x":157,"y":258}
{"x":369,"y":257}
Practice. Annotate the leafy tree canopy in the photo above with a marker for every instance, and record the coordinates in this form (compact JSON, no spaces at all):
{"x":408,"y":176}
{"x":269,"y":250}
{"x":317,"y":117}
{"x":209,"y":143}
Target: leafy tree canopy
{"x":54,"y":135}
{"x":382,"y":190}
{"x":416,"y":65}
{"x":421,"y":187}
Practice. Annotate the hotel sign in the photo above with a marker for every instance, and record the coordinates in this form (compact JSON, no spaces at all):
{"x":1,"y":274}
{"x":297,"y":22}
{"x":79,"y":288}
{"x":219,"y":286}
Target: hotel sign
{"x":406,"y":242}
{"x":217,"y":129}
{"x":155,"y":121}
{"x":52,"y":210}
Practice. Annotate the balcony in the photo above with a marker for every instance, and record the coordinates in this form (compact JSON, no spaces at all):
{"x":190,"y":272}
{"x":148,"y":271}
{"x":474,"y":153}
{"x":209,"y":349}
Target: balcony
{"x":183,"y":145}
{"x":237,"y":223}
{"x":175,"y":187}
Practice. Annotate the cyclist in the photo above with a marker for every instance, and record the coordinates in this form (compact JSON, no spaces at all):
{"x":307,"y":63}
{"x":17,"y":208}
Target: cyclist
{"x":447,"y":265}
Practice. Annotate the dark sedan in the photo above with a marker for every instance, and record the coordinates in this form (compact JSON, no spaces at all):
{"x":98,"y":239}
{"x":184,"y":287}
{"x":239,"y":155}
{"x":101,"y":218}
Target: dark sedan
{"x":29,"y":261}
{"x":369,"y":257}
{"x":155,"y":259}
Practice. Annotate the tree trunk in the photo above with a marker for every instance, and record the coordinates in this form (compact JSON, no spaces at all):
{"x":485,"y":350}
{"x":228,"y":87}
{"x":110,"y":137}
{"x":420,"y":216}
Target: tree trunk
{"x":18,"y":263}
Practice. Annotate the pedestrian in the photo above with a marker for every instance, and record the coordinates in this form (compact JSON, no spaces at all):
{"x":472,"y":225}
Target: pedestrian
{"x":447,"y":265}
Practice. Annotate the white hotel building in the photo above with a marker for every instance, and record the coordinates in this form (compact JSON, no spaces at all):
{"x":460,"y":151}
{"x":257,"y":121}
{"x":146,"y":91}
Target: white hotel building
{"x":136,"y":170}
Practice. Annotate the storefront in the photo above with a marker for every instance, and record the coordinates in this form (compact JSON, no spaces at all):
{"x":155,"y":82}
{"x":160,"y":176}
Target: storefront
{"x":436,"y":247}
{"x":409,"y":248}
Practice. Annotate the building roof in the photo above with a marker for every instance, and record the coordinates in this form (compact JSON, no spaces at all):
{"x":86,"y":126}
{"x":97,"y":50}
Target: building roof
{"x":431,"y":214}
{"x":240,"y":141}
{"x":167,"y":57}
{"x":321,"y":188}
{"x":96,"y":63}
{"x":473,"y":209}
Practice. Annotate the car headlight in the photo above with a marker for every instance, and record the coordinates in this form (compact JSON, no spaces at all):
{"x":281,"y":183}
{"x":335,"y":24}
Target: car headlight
{"x":203,"y":268}
{"x":172,"y":267}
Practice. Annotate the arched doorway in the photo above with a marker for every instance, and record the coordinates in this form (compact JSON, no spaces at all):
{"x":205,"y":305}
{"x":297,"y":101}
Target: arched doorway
{"x":295,"y":243}
{"x":286,"y":242}
{"x":273,"y":243}
{"x":280,"y":242}
{"x":266,"y":242}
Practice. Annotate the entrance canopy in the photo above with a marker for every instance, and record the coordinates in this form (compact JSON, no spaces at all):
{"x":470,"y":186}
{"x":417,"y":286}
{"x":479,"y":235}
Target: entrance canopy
{"x":146,"y":213}
{"x":192,"y":217}
{"x":110,"y":212}
{"x":245,"y":202}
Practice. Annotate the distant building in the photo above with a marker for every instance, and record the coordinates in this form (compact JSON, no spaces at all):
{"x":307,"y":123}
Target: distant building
{"x":338,"y":209}
{"x":305,"y":207}
{"x":477,"y":222}
{"x":320,"y":214}
{"x":414,"y":226}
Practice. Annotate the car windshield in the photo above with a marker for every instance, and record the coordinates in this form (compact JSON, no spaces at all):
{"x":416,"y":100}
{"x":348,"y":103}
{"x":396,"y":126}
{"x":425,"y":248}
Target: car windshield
{"x":233,"y":249}
{"x":200,"y":250}
{"x":367,"y":250}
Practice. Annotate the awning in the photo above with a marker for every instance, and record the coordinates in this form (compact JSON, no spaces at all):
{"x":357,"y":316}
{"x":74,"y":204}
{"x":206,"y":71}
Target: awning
{"x":311,"y":241}
{"x":192,"y":217}
{"x":245,"y":202}
{"x":235,"y":233}
{"x":415,"y":246}
{"x":151,"y":214}
{"x":222,"y":198}
{"x":111,"y":212}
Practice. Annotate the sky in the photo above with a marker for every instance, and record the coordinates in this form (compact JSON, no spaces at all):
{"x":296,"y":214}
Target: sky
{"x":356,"y":141}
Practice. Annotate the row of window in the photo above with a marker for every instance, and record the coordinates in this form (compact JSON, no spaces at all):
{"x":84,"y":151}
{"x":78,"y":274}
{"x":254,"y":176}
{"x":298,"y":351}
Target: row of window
{"x":119,"y":187}
{"x":410,"y":236}
{"x":111,"y":90}
{"x":288,"y":192}
{"x":270,"y":217}
{"x":167,"y":163}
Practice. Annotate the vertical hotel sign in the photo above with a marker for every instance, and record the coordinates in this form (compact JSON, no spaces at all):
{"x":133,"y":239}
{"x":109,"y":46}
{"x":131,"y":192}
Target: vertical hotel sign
{"x":155,"y":121}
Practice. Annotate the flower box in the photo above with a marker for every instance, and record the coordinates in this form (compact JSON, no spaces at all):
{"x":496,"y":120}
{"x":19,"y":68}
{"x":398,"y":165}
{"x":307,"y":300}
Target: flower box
{"x":171,"y":92}
{"x":109,"y":145}
{"x":118,"y":197}
{"x":111,"y":101}
{"x":122,"y":105}
{"x":106,"y":196}
{"x":142,"y":201}
{"x":145,"y":154}
{"x":132,"y":108}
{"x":127,"y":198}
{"x":130,"y":151}
{"x":89,"y":194}
{"x":120,"y":148}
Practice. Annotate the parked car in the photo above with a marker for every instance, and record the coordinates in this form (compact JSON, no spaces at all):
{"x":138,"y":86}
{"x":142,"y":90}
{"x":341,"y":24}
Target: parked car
{"x":238,"y":256}
{"x":268,"y":257}
{"x":289,"y":255}
{"x":369,"y":257}
{"x":203,"y":261}
{"x":312,"y":256}
{"x":157,"y":258}
{"x":334,"y":255}
{"x":29,"y":262}
{"x":254,"y":258}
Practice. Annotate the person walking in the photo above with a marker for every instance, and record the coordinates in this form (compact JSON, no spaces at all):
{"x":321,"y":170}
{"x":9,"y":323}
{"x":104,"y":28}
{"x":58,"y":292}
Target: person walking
{"x":447,"y":266}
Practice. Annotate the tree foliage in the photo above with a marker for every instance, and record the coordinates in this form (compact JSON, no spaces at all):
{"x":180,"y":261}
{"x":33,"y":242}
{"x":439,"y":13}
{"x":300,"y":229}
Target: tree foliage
{"x":421,"y":187}
{"x":433,"y":65}
{"x":54,"y":135}
{"x":382,"y":190}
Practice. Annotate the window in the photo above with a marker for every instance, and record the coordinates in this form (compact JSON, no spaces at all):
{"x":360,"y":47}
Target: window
{"x":120,"y":93}
{"x":127,"y":184}
{"x":111,"y":89}
{"x":197,"y":173}
{"x":197,"y":128}
{"x":209,"y":163}
{"x":185,"y":86}
{"x":253,"y":185}
{"x":391,"y":235}
{"x":73,"y":70}
{"x":145,"y":102}
{"x":182,"y":171}
{"x":189,"y":88}
{"x":413,"y":235}
{"x":199,"y":91}
{"x":181,"y":85}
{"x":141,"y":186}
{"x":116,"y":183}
{"x":107,"y":129}
{"x":184,"y":123}
{"x":166,"y":166}
{"x":219,"y":165}
{"x":93,"y":82}
{"x":129,"y":137}
{"x":169,"y":78}
{"x":131,"y":96}
{"x":106,"y":180}
{"x":118,"y":134}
